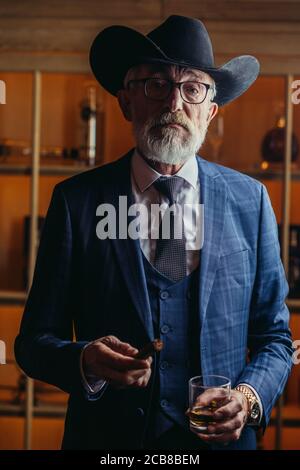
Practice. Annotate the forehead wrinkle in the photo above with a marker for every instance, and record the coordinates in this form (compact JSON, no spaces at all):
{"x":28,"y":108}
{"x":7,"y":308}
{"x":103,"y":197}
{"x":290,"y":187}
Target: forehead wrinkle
{"x":171,"y":70}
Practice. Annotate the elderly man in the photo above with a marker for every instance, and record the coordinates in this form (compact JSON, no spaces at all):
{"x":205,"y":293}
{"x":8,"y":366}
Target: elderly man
{"x":218,"y":306}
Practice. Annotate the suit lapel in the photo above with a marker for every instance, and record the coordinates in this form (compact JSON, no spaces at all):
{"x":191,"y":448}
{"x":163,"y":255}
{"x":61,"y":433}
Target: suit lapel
{"x":213,"y":195}
{"x":127,"y":250}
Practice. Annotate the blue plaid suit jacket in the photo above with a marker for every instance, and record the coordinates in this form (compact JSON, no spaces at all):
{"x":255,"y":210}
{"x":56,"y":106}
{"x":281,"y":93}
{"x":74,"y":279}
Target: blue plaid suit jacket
{"x":94,"y":288}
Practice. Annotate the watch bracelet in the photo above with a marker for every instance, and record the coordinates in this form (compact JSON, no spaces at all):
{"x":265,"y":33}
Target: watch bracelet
{"x":250,"y":397}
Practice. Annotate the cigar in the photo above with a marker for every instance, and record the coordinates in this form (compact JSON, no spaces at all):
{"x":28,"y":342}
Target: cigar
{"x":150,"y":348}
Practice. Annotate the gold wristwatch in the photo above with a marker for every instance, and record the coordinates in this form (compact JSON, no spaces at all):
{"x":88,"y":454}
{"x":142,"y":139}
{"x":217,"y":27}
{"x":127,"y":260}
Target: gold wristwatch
{"x":253,"y":405}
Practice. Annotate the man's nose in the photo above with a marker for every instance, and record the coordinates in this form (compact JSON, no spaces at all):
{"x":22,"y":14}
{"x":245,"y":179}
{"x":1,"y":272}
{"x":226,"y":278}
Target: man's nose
{"x":174,"y":101}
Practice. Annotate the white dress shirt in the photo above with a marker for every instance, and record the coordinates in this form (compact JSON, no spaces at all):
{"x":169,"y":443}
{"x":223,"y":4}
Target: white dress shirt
{"x":142,"y":178}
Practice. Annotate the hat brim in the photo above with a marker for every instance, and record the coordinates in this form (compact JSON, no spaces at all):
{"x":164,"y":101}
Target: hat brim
{"x":118,"y":48}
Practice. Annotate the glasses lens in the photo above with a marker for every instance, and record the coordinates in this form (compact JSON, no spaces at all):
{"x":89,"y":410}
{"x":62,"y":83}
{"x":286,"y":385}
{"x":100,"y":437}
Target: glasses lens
{"x":193,"y":92}
{"x":157,"y":88}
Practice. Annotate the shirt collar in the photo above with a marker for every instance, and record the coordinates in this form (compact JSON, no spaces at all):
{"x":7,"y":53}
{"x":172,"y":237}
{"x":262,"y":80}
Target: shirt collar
{"x":145,"y":175}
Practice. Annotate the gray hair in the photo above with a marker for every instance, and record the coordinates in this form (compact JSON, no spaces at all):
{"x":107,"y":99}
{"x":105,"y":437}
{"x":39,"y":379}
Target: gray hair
{"x":131,"y":75}
{"x":133,"y":71}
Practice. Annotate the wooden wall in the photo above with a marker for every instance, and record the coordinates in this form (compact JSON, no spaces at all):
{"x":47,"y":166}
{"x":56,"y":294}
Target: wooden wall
{"x":60,"y":33}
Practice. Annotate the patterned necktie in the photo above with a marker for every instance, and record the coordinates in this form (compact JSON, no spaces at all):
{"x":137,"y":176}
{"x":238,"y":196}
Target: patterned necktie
{"x":170,"y":254}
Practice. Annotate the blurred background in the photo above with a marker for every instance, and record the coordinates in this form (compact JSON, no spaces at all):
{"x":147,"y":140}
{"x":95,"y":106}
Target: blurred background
{"x":57,"y":121}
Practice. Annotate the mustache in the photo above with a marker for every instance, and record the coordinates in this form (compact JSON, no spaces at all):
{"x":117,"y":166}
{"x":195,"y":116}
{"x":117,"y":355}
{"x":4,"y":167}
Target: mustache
{"x":171,"y":118}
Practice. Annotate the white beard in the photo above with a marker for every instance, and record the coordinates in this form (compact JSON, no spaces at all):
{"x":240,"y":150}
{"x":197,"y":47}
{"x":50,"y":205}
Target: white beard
{"x":171,"y":146}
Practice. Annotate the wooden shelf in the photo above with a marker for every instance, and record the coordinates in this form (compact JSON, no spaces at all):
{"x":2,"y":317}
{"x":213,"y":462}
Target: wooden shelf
{"x":67,"y":170}
{"x":73,"y":168}
{"x":13,"y":297}
{"x":290,"y":416}
{"x":43,"y":410}
{"x":271,"y":174}
{"x":294,"y":304}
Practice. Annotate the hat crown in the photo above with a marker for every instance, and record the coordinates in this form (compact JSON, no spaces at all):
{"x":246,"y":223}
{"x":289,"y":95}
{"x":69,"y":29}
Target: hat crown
{"x":181,"y":38}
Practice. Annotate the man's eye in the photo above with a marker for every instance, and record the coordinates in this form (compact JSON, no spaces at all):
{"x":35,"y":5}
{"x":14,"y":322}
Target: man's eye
{"x":192,"y":90}
{"x":159,"y":83}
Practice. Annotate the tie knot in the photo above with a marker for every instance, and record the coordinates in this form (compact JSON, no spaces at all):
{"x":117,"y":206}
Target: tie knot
{"x":169,"y":187}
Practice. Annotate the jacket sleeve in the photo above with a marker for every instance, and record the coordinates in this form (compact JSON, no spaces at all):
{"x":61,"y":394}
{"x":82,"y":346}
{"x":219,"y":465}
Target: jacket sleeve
{"x":269,"y":336}
{"x":44,"y":348}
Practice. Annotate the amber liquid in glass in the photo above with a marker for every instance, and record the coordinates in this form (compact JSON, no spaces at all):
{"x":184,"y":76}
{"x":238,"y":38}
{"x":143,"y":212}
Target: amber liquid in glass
{"x":202,"y":416}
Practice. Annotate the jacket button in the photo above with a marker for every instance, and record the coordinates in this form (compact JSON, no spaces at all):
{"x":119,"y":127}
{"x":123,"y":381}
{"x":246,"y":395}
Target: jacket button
{"x":140,"y":412}
{"x":164,"y":294}
{"x":164,"y":365}
{"x":165,"y":329}
{"x":164,"y":403}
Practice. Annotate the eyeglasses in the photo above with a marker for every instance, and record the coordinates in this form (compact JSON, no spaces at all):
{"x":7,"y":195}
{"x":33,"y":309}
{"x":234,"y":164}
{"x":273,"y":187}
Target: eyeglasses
{"x":160,"y":89}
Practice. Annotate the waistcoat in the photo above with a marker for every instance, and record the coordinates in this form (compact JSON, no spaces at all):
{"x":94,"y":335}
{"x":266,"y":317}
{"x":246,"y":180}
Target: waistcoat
{"x":174,"y":308}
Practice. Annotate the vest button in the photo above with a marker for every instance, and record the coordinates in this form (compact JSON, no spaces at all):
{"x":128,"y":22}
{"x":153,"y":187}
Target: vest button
{"x":164,"y":403}
{"x":140,"y":412}
{"x":165,"y":329}
{"x":164,"y":365}
{"x":164,"y":294}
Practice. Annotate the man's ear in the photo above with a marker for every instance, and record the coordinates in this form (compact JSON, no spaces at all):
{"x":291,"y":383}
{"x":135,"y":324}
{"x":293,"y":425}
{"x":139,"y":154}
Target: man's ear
{"x":125,"y":104}
{"x":213,"y":111}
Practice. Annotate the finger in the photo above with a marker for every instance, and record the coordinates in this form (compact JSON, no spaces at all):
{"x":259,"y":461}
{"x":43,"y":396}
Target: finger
{"x":118,"y":361}
{"x":228,"y":411}
{"x":136,"y":375}
{"x":142,"y":382}
{"x":221,"y":438}
{"x":149,"y":360}
{"x":136,"y":381}
{"x":126,"y":349}
{"x":236,"y":422}
{"x":212,"y":397}
{"x":127,"y":378}
{"x":119,"y":346}
{"x":123,"y":348}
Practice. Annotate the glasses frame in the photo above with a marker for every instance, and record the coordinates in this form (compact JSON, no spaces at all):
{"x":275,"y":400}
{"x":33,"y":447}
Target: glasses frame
{"x":173,"y":84}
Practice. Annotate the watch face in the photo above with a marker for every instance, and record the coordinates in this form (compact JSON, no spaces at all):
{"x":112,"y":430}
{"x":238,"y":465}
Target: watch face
{"x":255,"y":411}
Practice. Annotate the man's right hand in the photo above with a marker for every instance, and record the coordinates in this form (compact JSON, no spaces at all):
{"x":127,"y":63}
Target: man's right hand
{"x":110,"y":359}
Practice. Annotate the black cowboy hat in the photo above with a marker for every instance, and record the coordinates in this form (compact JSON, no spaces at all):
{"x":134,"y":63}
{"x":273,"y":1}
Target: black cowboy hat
{"x":178,"y":40}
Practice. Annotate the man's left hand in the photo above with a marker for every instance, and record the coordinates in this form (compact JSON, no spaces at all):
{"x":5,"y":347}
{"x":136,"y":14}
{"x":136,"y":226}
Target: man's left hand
{"x":229,"y":420}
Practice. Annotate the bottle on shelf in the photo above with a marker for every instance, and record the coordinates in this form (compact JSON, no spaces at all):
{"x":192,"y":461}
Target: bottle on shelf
{"x":89,"y":115}
{"x":272,"y":147}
